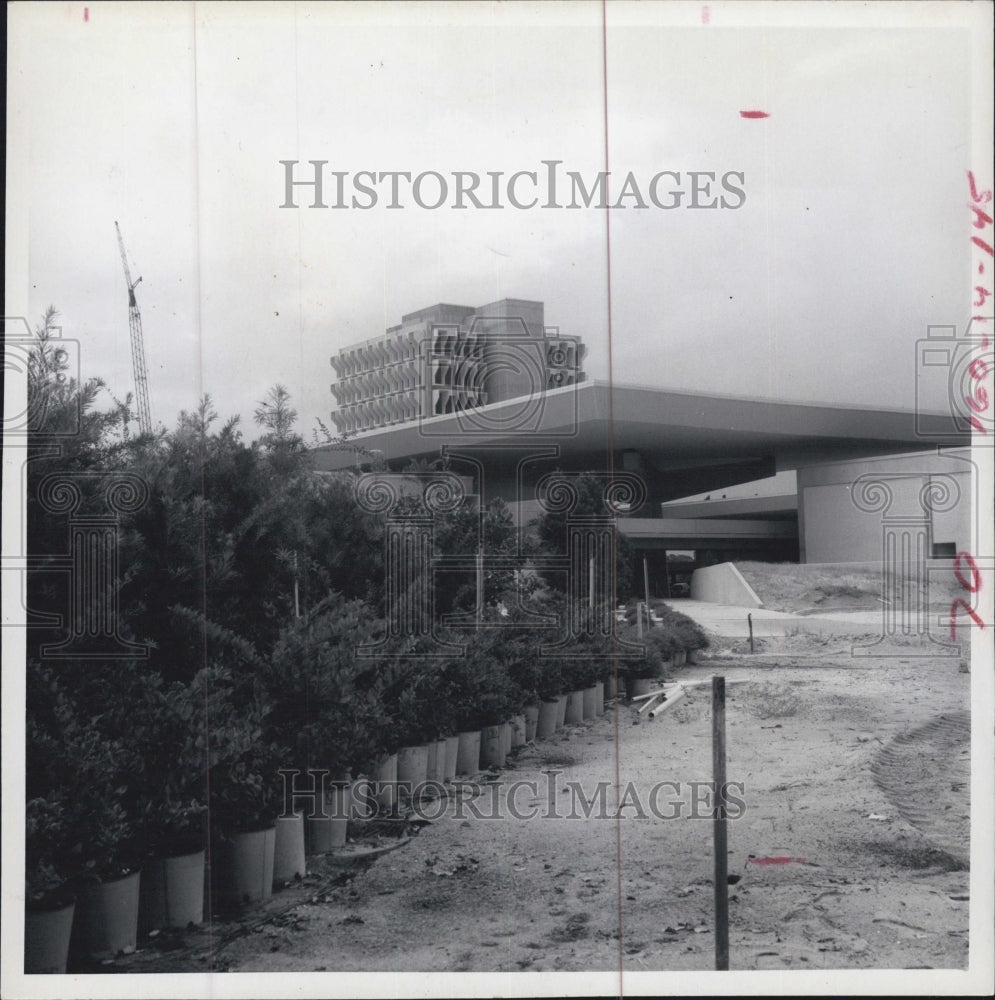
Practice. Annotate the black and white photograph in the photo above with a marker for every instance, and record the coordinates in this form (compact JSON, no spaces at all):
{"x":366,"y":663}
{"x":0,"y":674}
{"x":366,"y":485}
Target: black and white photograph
{"x":498,"y":499}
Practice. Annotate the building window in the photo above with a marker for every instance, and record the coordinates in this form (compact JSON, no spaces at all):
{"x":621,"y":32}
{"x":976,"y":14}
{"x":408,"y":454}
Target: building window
{"x":944,"y":550}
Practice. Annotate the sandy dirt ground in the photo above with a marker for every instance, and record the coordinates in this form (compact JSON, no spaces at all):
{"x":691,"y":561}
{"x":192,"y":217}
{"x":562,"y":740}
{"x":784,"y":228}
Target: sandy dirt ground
{"x":857,"y":768}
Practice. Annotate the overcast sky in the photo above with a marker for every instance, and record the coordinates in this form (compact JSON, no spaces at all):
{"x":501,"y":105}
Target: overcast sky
{"x":853,"y":235}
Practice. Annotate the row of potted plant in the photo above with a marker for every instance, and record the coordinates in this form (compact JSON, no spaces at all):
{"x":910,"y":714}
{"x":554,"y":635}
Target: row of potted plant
{"x":125,"y":768}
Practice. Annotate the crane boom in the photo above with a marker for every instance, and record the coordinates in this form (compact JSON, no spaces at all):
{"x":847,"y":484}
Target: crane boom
{"x":137,"y":345}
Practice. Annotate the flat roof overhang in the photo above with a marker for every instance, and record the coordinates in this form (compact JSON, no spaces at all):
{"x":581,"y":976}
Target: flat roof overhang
{"x":668,"y":429}
{"x":777,"y":506}
{"x":697,"y":533}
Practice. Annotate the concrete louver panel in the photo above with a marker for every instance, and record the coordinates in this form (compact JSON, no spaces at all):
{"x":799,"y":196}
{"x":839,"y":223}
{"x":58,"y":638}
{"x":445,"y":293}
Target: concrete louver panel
{"x":465,"y":372}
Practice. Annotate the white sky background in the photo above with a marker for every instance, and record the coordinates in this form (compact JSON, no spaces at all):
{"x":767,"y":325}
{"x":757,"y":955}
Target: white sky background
{"x":172,"y":120}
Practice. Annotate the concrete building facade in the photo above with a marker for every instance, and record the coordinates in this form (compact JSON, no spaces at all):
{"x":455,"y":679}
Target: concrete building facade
{"x":864,"y":474}
{"x":449,"y":359}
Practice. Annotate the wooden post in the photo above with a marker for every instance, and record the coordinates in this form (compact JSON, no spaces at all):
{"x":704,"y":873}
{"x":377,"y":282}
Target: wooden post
{"x":719,"y":824}
{"x":646,"y":582}
{"x":639,"y":619}
{"x":749,"y":621}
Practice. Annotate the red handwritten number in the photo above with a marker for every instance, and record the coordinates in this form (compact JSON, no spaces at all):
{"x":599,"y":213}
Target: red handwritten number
{"x":975,"y":585}
{"x":977,"y":369}
{"x":976,"y":195}
{"x":971,"y":587}
{"x":980,"y":404}
{"x":953,"y":617}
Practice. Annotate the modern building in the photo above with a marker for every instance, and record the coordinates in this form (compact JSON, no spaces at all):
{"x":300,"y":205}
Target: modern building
{"x":450,"y":358}
{"x":506,"y":399}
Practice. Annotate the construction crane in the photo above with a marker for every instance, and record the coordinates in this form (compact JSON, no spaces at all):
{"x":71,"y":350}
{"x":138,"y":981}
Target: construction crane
{"x":137,"y":345}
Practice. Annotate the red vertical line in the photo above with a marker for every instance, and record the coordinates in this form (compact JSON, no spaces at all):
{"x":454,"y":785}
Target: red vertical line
{"x":611,"y":474}
{"x":202,"y":546}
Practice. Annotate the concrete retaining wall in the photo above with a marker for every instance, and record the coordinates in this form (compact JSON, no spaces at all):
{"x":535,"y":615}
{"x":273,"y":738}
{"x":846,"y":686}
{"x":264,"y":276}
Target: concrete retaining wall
{"x":723,"y":584}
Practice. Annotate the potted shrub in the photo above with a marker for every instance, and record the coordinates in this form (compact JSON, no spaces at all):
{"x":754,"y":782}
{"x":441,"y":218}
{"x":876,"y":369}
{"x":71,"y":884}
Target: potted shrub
{"x":245,"y":790}
{"x":172,"y":886}
{"x":85,"y":832}
{"x":327,"y":703}
{"x":49,"y":904}
{"x":482,"y":694}
{"x":108,"y":879}
{"x":535,"y":685}
{"x":167,"y":726}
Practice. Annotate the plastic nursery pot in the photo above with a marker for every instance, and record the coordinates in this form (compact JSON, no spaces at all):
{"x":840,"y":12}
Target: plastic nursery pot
{"x":452,"y":755}
{"x":247,"y":866}
{"x":531,"y":722}
{"x":386,"y":776}
{"x":437,"y":763}
{"x":288,"y":849}
{"x":599,"y":698}
{"x":517,"y":731}
{"x":546,"y":719}
{"x":561,"y":710}
{"x":46,"y":937}
{"x":412,"y":769}
{"x":589,"y":698}
{"x":106,"y":920}
{"x":575,"y":708}
{"x":468,"y":755}
{"x":431,"y":759}
{"x":324,"y":835}
{"x":171,"y":892}
{"x":491,"y":747}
